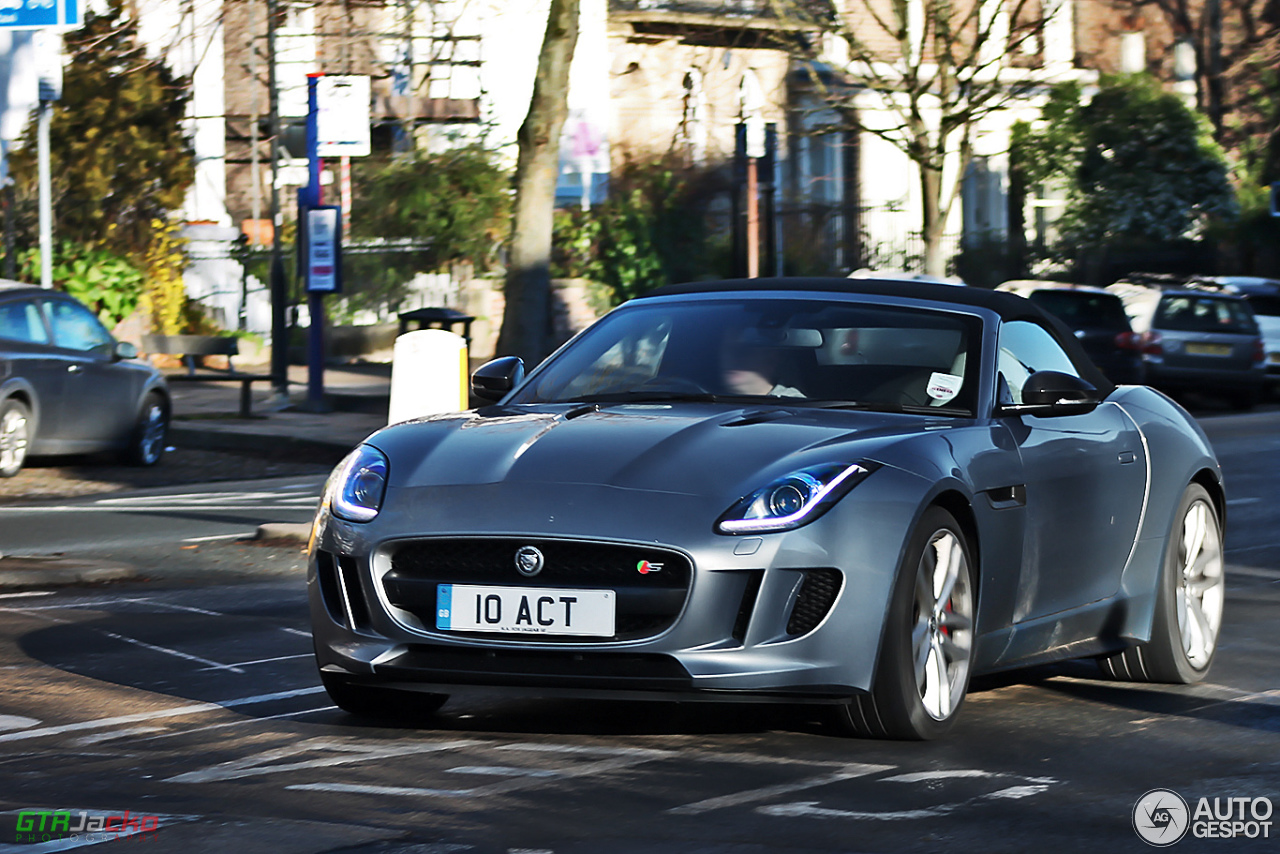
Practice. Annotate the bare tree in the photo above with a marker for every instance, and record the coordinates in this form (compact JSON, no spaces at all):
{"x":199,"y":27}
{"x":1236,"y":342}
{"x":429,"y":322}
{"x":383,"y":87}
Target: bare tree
{"x":526,"y":318}
{"x":923,"y":75}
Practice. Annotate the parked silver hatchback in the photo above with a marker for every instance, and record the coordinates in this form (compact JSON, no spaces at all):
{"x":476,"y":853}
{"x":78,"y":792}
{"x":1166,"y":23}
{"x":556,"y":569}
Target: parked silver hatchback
{"x":1197,"y":340}
{"x":68,"y":387}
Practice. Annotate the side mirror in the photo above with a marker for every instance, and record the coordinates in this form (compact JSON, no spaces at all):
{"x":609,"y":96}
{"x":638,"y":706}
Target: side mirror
{"x":1050,"y":393}
{"x":125,"y":350}
{"x":493,"y":380}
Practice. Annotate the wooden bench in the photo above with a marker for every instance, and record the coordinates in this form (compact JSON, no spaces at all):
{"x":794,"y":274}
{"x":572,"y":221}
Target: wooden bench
{"x":191,"y":347}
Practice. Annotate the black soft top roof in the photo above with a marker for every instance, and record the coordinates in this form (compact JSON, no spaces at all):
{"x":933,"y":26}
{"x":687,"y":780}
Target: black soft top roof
{"x":1007,"y":305}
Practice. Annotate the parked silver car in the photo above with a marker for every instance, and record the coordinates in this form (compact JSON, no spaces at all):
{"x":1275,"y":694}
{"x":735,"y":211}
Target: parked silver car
{"x":1197,"y":339}
{"x":835,"y":491}
{"x":68,"y":387}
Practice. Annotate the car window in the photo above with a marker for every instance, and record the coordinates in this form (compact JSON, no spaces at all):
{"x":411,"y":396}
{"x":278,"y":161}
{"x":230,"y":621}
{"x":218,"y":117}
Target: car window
{"x":20,"y":321}
{"x":770,"y":349}
{"x":1024,"y":349}
{"x":75,"y":327}
{"x":1080,"y":309}
{"x":1196,"y":313}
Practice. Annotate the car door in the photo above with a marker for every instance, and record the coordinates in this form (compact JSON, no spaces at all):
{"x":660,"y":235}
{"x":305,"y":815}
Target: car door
{"x":27,"y":358}
{"x":99,"y":402}
{"x":1086,"y":482}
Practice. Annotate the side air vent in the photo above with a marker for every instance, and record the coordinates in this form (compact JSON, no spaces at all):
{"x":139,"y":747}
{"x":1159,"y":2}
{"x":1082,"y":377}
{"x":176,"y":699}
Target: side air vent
{"x":817,"y":594}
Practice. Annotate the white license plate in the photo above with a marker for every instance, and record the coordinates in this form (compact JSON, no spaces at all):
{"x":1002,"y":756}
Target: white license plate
{"x":525,"y":610}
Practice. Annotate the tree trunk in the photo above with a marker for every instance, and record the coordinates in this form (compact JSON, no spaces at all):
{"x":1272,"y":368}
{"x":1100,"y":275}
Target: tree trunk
{"x":526,"y":320}
{"x":933,"y":221}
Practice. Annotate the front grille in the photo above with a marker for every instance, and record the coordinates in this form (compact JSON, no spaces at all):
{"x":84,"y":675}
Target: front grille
{"x":647,"y":603}
{"x":817,"y":594}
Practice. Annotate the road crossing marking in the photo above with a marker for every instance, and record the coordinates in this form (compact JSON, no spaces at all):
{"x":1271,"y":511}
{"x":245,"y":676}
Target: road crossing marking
{"x":750,"y":796}
{"x":176,"y":711}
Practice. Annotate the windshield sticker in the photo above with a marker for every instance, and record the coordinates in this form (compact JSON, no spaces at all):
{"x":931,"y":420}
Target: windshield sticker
{"x":944,"y":387}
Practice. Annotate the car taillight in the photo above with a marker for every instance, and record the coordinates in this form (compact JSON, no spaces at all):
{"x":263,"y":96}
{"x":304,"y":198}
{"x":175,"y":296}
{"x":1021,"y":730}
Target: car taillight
{"x":1128,"y":341}
{"x":1151,"y":345}
{"x":1259,"y":351}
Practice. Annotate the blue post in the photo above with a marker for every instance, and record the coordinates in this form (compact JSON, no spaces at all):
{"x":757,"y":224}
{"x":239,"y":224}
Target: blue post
{"x":310,"y":197}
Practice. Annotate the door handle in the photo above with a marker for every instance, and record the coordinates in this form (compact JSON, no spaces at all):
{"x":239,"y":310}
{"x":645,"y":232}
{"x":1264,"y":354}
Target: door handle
{"x":75,"y":369}
{"x":1128,"y":457}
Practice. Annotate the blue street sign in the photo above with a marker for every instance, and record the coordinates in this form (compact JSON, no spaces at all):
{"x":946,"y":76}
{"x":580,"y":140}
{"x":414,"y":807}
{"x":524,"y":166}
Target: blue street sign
{"x":39,"y":14}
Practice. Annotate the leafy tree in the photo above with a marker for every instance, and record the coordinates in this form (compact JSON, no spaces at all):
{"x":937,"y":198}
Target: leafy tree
{"x":102,"y":280}
{"x":1139,"y":166}
{"x":649,"y":232}
{"x":922,"y":76}
{"x":119,"y":154}
{"x":457,"y":199}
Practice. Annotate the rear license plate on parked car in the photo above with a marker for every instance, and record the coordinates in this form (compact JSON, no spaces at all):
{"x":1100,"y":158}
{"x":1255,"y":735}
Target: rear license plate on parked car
{"x":1209,"y":349}
{"x":542,"y":610}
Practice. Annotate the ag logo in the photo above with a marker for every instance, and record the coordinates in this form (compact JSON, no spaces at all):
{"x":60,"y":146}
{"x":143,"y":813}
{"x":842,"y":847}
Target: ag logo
{"x":529,"y":561}
{"x":1161,"y":817}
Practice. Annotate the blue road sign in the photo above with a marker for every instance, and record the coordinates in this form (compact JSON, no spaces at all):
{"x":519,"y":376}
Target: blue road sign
{"x":39,"y":14}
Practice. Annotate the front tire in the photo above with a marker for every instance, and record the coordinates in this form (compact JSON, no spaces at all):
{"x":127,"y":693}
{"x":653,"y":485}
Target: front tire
{"x":147,"y":443}
{"x":923,"y":672}
{"x":1189,"y":601}
{"x":372,"y":701}
{"x":15,"y":436}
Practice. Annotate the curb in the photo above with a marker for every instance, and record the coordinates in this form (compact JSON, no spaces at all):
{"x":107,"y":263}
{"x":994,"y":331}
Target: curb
{"x":20,"y":572}
{"x":259,"y":443}
{"x":298,"y":532}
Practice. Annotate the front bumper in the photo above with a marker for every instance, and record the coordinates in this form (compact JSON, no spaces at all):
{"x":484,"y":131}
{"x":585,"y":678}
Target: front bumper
{"x":754,"y":621}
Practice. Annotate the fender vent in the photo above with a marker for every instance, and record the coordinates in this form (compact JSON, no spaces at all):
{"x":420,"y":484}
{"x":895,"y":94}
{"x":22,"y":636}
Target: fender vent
{"x":817,"y":594}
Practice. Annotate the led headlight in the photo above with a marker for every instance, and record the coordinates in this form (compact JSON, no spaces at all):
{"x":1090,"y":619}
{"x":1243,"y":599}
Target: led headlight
{"x":357,"y":485}
{"x":794,"y":499}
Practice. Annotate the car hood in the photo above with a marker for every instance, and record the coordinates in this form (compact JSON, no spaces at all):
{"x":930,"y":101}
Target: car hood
{"x":707,"y":450}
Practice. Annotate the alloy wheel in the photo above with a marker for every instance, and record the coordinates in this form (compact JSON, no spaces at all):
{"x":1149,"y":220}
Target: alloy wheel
{"x":1200,"y":584}
{"x":942,"y":634}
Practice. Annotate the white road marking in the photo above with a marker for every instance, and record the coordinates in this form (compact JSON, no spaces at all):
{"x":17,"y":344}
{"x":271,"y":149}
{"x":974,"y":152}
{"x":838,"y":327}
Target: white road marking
{"x":341,"y":752}
{"x":212,"y":665}
{"x":265,"y":660}
{"x":16,"y":722}
{"x":749,"y":796}
{"x":241,"y":536}
{"x":922,"y":776}
{"x":400,"y":791}
{"x":26,"y":593}
{"x":810,"y":809}
{"x":177,"y":711}
{"x":97,"y":738}
{"x":293,"y":631}
{"x":502,"y":771}
{"x":241,"y":722}
{"x":1268,"y":698}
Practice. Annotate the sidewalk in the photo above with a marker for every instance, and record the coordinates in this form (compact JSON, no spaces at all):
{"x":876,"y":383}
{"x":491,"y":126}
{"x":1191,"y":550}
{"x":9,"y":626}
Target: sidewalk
{"x":205,"y":413}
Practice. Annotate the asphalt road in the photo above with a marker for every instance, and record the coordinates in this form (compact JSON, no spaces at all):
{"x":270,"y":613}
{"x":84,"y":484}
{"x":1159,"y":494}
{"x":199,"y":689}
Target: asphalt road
{"x":194,"y":705}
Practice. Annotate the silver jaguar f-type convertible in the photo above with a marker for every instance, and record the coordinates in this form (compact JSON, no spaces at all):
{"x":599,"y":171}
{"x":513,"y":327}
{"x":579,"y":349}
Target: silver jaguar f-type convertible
{"x":851,"y":492}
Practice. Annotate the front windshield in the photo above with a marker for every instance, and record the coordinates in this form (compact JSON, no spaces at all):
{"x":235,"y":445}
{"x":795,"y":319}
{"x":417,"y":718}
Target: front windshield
{"x":777,"y":350}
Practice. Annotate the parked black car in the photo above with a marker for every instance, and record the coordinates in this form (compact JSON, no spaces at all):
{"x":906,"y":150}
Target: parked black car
{"x":68,"y":387}
{"x":1098,"y":320}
